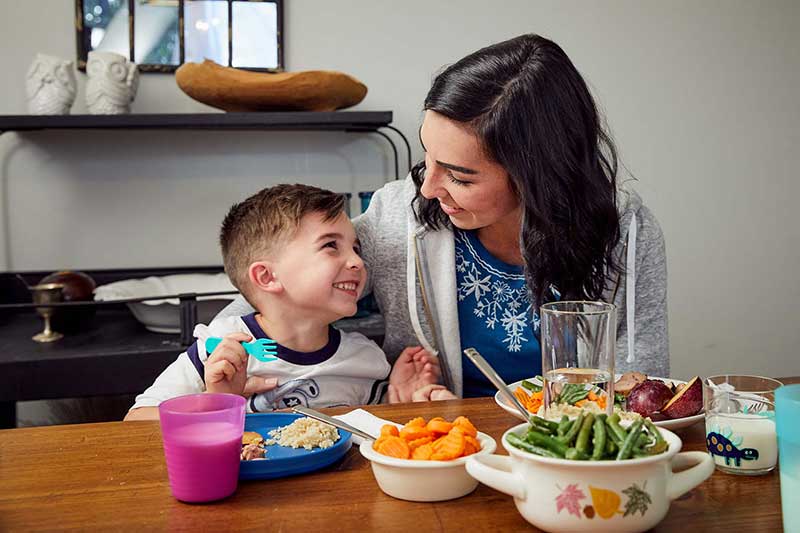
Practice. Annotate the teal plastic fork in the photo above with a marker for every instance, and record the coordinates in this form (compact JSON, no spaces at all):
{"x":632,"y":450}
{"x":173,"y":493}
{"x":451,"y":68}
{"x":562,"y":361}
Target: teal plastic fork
{"x":261,"y":349}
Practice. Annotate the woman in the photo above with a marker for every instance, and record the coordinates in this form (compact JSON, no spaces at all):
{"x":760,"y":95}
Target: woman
{"x":516,"y":204}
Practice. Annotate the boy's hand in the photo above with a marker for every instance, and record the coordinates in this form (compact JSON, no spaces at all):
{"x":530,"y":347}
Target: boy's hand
{"x":226,"y":367}
{"x":432,"y":393}
{"x":414,"y":369}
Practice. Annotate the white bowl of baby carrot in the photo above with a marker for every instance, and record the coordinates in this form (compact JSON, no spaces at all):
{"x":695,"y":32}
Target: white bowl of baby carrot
{"x":423,"y":461}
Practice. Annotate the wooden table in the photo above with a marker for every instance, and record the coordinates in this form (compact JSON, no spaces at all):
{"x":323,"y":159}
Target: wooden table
{"x":112,"y":476}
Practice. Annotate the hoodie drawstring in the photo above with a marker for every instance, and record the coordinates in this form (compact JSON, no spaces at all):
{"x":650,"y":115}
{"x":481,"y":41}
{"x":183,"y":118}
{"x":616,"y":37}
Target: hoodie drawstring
{"x":630,"y":285}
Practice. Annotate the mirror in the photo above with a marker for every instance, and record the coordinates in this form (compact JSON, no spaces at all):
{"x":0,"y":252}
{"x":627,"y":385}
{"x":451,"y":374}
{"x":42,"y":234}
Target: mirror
{"x":156,"y":38}
{"x":159,"y":35}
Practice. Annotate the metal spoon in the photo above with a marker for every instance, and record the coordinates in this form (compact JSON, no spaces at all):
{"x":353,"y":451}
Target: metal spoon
{"x":487,"y":370}
{"x":316,"y":415}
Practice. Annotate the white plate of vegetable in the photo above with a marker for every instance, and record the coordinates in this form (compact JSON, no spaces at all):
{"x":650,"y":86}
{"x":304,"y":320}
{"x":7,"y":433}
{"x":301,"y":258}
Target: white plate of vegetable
{"x":672,"y":404}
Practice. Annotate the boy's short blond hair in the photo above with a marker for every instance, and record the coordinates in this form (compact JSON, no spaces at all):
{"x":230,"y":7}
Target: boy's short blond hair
{"x":254,"y":229}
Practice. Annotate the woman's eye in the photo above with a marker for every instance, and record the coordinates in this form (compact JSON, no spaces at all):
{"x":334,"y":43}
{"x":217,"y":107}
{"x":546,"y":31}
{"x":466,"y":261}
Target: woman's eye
{"x":456,"y":180}
{"x":331,"y":244}
{"x":357,"y":250}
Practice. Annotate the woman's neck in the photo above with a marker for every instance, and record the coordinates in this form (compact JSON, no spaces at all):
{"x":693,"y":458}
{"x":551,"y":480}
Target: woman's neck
{"x":501,"y":239}
{"x":296,"y":334}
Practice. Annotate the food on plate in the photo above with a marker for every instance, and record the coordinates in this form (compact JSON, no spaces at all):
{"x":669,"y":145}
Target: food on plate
{"x":592,"y":436}
{"x":304,"y":432}
{"x":634,"y":393}
{"x":432,"y":440}
{"x":628,"y":381}
{"x":648,"y":397}
{"x":659,"y":400}
{"x":252,"y":446}
{"x":687,"y":402}
{"x":533,"y":401}
{"x":570,"y":394}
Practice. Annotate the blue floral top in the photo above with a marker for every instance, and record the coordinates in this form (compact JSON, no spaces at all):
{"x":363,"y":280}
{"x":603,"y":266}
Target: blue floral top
{"x":494,"y":316}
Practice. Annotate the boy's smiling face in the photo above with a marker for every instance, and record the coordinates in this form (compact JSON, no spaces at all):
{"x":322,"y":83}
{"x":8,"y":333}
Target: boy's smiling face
{"x":320,"y":270}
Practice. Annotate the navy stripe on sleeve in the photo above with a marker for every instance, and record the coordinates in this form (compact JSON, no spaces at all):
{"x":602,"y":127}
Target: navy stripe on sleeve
{"x":194,"y":357}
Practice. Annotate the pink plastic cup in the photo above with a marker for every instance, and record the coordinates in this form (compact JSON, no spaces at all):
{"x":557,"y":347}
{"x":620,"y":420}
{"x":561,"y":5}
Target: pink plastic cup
{"x":202,"y":436}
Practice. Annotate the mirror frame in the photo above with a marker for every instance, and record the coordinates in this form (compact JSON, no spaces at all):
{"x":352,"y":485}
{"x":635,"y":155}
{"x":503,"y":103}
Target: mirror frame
{"x":83,"y":49}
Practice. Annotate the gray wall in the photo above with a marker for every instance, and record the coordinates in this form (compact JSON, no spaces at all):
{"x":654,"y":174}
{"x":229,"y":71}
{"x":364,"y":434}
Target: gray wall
{"x":700,"y":96}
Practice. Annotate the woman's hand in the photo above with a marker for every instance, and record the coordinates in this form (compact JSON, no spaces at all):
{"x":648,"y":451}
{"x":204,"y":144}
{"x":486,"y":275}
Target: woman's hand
{"x":432,"y":392}
{"x":414,"y":369}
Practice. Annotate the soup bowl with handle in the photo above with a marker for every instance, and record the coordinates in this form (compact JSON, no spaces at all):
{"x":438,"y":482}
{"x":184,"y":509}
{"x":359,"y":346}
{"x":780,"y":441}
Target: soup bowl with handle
{"x":567,"y":495}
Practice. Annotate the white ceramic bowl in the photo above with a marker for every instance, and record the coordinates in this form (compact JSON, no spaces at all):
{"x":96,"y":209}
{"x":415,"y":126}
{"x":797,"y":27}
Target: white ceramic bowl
{"x":163,"y":316}
{"x":619,"y":496}
{"x":424,"y":481}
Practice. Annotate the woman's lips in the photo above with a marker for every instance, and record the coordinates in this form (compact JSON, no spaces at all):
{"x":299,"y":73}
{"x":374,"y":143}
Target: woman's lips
{"x":450,"y":210}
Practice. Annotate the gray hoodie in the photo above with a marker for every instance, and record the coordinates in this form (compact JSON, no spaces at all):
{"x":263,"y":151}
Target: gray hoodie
{"x":412,"y":276}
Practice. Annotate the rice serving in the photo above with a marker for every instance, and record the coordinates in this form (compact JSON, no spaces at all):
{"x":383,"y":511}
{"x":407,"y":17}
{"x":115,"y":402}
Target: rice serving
{"x":304,"y":432}
{"x":556,"y":411}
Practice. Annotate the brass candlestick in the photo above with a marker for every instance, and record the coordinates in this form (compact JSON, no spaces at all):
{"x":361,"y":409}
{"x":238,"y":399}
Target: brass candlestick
{"x":46,"y":293}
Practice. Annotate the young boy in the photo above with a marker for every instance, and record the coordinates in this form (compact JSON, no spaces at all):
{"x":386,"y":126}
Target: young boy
{"x":292,"y":252}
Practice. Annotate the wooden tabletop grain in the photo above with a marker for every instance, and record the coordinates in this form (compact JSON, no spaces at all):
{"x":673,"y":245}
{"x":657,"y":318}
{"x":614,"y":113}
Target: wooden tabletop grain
{"x":112,"y":476}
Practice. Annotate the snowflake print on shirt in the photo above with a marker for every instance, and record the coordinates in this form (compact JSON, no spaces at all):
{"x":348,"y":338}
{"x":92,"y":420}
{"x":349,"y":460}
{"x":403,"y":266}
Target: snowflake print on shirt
{"x":496,"y":302}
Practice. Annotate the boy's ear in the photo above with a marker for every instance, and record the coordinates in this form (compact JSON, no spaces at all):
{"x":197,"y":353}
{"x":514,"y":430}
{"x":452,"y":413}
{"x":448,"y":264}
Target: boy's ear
{"x":263,"y":277}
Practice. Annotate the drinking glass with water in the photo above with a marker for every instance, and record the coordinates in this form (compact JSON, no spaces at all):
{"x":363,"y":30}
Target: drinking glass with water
{"x":578,"y":342}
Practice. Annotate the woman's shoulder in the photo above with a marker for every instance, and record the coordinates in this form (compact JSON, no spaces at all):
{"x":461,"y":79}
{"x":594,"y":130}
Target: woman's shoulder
{"x":632,"y":208}
{"x":388,"y":209}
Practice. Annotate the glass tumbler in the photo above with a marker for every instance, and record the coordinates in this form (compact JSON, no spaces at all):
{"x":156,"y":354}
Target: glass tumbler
{"x":578,"y":342}
{"x":740,"y":423}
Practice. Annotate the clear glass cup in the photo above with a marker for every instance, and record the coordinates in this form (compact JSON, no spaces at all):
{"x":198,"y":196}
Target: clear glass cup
{"x":787,"y":417}
{"x":202,"y":436}
{"x":578,"y":342}
{"x":740,"y":423}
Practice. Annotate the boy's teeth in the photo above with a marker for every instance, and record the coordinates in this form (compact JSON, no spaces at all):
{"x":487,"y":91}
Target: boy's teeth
{"x":345,"y":286}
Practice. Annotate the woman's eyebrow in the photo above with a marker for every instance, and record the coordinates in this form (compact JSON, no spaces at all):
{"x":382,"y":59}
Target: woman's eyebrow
{"x":462,"y":170}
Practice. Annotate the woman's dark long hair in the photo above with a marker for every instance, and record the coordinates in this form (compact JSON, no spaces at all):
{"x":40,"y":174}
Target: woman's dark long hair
{"x":534,"y":115}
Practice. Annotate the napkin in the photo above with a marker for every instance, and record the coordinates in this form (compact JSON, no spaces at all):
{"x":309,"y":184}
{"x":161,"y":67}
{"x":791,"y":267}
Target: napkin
{"x":365,"y":421}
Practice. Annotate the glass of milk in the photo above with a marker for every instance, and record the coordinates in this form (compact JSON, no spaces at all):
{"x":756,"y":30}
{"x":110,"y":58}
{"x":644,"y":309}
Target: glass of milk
{"x":740,"y":423}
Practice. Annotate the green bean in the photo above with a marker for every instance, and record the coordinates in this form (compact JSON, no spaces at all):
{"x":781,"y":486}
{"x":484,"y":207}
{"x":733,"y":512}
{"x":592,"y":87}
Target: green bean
{"x":599,"y":440}
{"x":642,"y":441}
{"x":541,"y":429}
{"x":539,"y":421}
{"x":533,"y":387}
{"x":611,"y":446}
{"x":570,"y":435}
{"x":612,"y":436}
{"x":582,"y":443}
{"x":517,"y":442}
{"x":546,"y":441}
{"x":563,"y":426}
{"x":574,"y":455}
{"x":633,"y":434}
{"x":613,"y":425}
{"x":571,"y":393}
{"x":660,"y":445}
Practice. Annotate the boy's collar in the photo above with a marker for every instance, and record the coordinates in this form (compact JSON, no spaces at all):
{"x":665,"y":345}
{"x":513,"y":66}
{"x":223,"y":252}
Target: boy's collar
{"x":292,"y":356}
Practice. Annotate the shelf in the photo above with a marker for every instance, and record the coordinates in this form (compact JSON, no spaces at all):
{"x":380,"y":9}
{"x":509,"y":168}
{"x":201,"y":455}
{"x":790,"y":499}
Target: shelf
{"x":354,"y":121}
{"x":298,"y":120}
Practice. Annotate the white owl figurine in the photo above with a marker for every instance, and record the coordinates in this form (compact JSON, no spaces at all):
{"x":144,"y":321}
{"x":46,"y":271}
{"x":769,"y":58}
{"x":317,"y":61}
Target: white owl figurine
{"x":50,"y":85}
{"x":112,"y":83}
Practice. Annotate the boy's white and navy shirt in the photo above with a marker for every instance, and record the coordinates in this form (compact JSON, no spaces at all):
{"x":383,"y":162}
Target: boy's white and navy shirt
{"x":349,"y":370}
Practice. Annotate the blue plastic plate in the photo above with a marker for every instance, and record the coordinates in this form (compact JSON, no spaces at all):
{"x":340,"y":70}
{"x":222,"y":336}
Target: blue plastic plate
{"x":283,"y":461}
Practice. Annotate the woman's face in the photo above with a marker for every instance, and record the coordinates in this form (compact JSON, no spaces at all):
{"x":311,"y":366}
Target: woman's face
{"x":473,"y":190}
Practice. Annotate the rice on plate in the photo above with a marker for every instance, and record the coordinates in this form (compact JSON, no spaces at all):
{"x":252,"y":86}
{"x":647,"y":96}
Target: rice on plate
{"x":556,"y":411}
{"x":306,"y":433}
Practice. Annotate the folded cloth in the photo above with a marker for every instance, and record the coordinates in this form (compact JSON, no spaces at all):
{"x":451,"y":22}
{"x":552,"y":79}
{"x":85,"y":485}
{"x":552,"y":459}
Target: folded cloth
{"x":366,"y":422}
